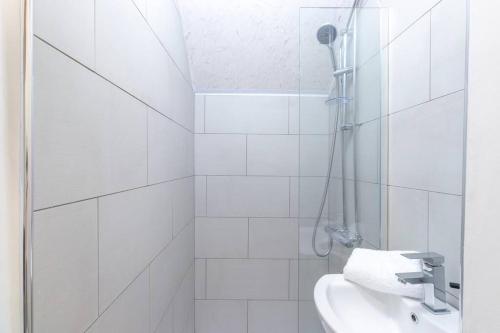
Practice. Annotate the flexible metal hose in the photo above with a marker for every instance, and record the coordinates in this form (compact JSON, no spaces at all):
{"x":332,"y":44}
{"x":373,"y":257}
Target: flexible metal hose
{"x":325,"y":194}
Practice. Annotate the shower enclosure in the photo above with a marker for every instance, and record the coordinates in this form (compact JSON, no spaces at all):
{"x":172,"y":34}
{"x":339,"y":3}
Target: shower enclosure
{"x":342,"y":146}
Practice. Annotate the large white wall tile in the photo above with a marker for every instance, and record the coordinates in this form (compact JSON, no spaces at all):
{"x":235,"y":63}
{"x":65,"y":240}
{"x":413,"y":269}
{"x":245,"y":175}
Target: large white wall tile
{"x":369,"y":205}
{"x":306,"y":229}
{"x":166,"y":22}
{"x":310,"y":271}
{"x":184,"y":303}
{"x":68,"y":25}
{"x":89,"y":136}
{"x":129,"y":55}
{"x":273,"y":316}
{"x":294,"y":196}
{"x":221,"y":316}
{"x":200,"y":185}
{"x":314,"y":114}
{"x":65,"y":266}
{"x":182,"y":203}
{"x":253,"y":114}
{"x":221,"y":237}
{"x":372,"y":27}
{"x":167,"y":322}
{"x":134,"y":226}
{"x":409,"y":218}
{"x":448,"y":50}
{"x":200,"y":278}
{"x":308,"y":318}
{"x":273,"y":155}
{"x":247,"y":279}
{"x":129,"y":313}
{"x":368,"y":152}
{"x":199,"y":113}
{"x":371,"y":85}
{"x":248,"y":196}
{"x":170,"y":149}
{"x":445,"y":233}
{"x":314,"y":155}
{"x":293,"y":114}
{"x":220,"y":154}
{"x":273,"y":238}
{"x":426,"y":146}
{"x":311,"y":190}
{"x":409,"y":67}
{"x":404,"y":13}
{"x":141,"y":5}
{"x":168,"y":270}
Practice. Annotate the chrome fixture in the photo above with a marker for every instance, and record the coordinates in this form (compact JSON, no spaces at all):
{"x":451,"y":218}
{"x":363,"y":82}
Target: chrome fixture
{"x":343,"y":71}
{"x":432,"y":278}
{"x":326,"y":35}
{"x":343,"y":236}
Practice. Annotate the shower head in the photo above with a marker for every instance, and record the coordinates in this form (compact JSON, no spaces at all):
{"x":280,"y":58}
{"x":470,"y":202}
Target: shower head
{"x":326,"y":34}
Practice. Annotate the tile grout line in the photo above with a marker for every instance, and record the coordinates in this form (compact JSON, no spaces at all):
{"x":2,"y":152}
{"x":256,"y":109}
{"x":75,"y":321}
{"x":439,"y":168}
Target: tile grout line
{"x":147,"y":146}
{"x":94,"y":71}
{"x":189,"y":83}
{"x":206,"y":280}
{"x":98,"y":258}
{"x":430,"y":54}
{"x":204,"y":113}
{"x":112,"y":193}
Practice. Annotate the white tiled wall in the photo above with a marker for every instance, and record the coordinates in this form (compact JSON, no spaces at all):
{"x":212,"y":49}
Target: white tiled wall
{"x":247,"y":192}
{"x":114,"y":171}
{"x":426,"y":129}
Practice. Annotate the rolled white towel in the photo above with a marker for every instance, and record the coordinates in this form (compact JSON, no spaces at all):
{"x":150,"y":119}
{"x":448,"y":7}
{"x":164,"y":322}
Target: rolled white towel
{"x":377,"y":270}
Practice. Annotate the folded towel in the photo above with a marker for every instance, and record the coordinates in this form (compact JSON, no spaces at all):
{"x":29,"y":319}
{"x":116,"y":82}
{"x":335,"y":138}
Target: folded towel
{"x":376,"y":270}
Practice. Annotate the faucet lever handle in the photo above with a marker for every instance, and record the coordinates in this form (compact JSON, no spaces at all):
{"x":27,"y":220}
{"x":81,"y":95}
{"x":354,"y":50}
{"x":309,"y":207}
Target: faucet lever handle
{"x":430,"y":258}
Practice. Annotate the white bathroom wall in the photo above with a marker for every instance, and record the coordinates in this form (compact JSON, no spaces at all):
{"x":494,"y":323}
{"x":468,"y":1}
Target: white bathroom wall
{"x":113,"y":168}
{"x":248,"y":156}
{"x":426,"y":129}
{"x":11,"y":95}
{"x":481,"y":246}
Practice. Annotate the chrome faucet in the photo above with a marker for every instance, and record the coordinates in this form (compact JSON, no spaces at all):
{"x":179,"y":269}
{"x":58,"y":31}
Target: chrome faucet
{"x":432,"y":278}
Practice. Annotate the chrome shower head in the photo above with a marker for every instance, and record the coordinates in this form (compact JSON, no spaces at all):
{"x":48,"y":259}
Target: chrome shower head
{"x":326,"y":34}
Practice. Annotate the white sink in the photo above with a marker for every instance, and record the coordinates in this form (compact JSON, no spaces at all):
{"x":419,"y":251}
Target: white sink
{"x":345,"y":307}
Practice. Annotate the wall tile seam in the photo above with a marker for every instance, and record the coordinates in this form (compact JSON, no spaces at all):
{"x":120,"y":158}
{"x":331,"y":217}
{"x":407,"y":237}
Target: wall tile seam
{"x":112,"y":83}
{"x":253,"y":134}
{"x":424,"y":103}
{"x":253,"y":218}
{"x":122,"y":292}
{"x":153,"y":32}
{"x":177,"y":291}
{"x":245,"y":259}
{"x":101,"y":196}
{"x":410,"y":25}
{"x":258,"y":134}
{"x":254,"y":299}
{"x":147,"y":267}
{"x":250,"y":258}
{"x":252,"y":175}
{"x":389,"y":186}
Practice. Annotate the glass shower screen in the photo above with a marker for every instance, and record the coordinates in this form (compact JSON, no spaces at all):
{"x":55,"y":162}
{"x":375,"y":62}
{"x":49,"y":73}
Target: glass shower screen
{"x":343,"y":94}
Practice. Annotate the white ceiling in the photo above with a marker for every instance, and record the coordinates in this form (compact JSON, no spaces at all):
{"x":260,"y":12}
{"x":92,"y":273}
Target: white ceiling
{"x":249,"y":45}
